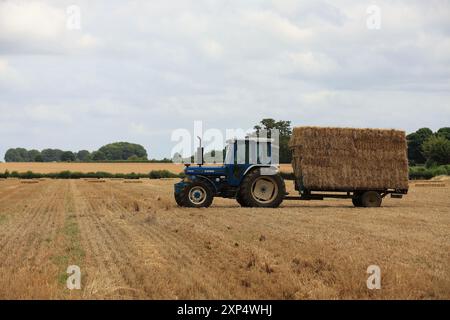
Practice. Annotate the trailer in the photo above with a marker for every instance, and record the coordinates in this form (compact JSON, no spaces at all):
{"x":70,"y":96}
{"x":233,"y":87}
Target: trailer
{"x":359,"y":197}
{"x":316,"y":165}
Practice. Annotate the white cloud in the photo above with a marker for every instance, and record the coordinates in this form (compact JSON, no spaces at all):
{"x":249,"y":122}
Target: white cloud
{"x":311,"y":63}
{"x":139,"y":69}
{"x":36,"y":27}
{"x":276,"y":25}
{"x":4,"y":67}
{"x":144,"y":130}
{"x":9,"y":75}
{"x":30,"y":20}
{"x":212,"y":48}
{"x":54,"y":114}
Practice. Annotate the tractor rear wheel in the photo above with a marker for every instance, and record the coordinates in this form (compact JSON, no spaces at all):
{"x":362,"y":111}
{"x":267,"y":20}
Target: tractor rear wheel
{"x":195,"y":195}
{"x":259,"y":190}
{"x":371,"y":199}
{"x":241,"y":201}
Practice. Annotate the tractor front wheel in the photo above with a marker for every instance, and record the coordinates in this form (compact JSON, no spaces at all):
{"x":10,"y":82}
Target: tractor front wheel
{"x":179,"y":199}
{"x":195,"y":195}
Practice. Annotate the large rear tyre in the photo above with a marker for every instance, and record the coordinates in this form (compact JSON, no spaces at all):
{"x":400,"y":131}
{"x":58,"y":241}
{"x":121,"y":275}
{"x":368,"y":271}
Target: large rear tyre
{"x":241,"y":201}
{"x":258,"y":190}
{"x":195,"y":195}
{"x":371,"y":199}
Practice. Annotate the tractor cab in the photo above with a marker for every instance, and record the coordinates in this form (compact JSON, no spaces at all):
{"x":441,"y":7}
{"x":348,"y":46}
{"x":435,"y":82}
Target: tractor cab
{"x":258,"y":156}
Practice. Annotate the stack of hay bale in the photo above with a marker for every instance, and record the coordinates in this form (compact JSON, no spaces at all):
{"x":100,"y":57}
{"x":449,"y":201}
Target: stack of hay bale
{"x":348,"y":158}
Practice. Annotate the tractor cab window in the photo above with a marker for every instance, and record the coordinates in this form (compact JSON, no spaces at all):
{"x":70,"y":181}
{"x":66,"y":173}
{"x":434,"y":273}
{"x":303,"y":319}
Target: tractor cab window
{"x":264,"y":153}
{"x":249,"y":152}
{"x":240,"y":151}
{"x":229,"y":154}
{"x":237,"y":152}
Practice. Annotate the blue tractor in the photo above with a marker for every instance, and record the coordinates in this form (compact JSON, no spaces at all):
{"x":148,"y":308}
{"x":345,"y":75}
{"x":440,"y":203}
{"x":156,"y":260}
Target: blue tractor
{"x":247,"y":175}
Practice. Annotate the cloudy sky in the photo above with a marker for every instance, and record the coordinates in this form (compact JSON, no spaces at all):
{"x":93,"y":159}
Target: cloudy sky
{"x":136,"y":70}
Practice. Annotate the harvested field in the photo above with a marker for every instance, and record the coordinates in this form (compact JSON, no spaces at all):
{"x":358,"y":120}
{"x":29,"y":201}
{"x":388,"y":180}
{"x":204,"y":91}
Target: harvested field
{"x":430,"y":185}
{"x":440,"y":178}
{"x":132,"y":242}
{"x":51,"y":167}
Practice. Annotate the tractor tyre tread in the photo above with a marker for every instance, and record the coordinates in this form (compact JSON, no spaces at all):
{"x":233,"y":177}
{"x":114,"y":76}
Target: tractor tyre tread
{"x":184,"y":196}
{"x":245,"y":192}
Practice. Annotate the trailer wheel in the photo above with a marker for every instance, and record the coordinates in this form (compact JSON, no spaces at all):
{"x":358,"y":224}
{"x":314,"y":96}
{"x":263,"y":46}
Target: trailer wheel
{"x":371,"y":199}
{"x":356,"y":200}
{"x":262,"y":190}
{"x":195,"y":195}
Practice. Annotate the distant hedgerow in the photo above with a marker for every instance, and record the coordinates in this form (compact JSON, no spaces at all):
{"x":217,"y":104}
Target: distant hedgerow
{"x":154,"y":174}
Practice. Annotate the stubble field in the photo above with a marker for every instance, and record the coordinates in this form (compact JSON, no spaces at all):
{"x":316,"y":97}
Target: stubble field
{"x":131,"y":241}
{"x":123,"y":167}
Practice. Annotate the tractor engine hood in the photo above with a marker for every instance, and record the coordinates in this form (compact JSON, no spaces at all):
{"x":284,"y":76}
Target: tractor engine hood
{"x":207,"y":171}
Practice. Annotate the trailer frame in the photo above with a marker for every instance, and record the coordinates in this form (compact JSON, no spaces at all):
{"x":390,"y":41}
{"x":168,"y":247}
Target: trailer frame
{"x":349,"y":194}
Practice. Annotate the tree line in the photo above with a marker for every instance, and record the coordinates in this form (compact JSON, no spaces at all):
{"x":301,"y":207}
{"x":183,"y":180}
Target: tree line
{"x":117,"y":151}
{"x":425,"y":148}
{"x":154,"y":174}
{"x":429,"y":148}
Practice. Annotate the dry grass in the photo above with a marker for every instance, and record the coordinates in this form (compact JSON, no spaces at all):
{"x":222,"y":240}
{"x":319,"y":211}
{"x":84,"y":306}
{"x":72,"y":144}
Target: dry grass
{"x":347,"y":158}
{"x":50,"y":167}
{"x":442,"y":178}
{"x":132,"y":242}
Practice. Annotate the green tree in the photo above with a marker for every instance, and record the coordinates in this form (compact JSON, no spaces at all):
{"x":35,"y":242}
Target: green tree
{"x":415,"y":141}
{"x":33,"y":154}
{"x":12,"y":155}
{"x":98,"y":156}
{"x":83,"y":155}
{"x":444,"y":132}
{"x":437,"y":150}
{"x":134,"y":158}
{"x":68,"y":156}
{"x":123,"y":151}
{"x":285,"y":132}
{"x":17,"y":155}
{"x":50,"y":155}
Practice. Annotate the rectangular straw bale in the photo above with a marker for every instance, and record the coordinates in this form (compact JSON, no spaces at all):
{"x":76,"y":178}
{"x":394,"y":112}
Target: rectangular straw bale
{"x":349,"y":158}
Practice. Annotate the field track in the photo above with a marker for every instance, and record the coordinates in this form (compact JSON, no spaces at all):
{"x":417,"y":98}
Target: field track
{"x":132,"y":242}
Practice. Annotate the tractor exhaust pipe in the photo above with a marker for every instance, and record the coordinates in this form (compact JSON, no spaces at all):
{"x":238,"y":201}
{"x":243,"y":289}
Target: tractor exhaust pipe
{"x":199,"y":153}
